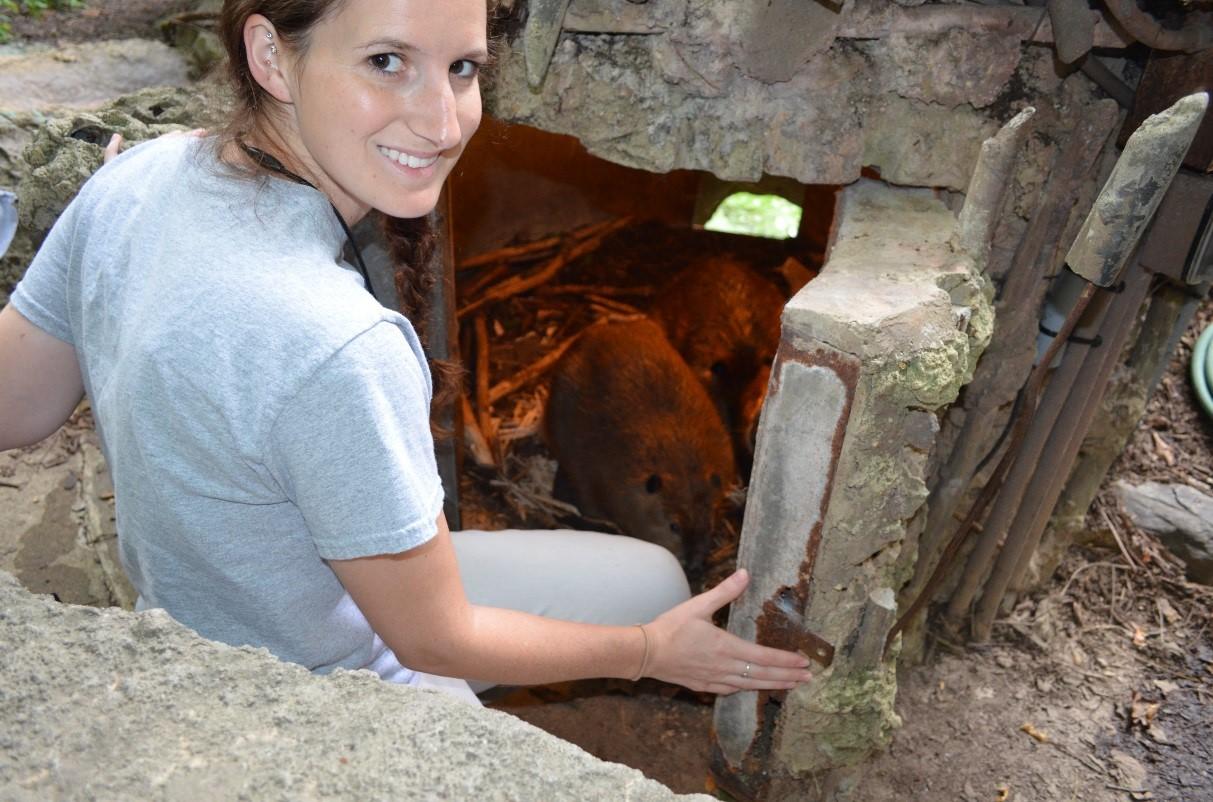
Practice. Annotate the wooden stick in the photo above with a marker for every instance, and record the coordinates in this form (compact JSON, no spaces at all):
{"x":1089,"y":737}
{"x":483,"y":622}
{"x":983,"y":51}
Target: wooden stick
{"x":582,"y":289}
{"x":529,"y":373}
{"x":518,"y":284}
{"x":475,"y":287}
{"x":512,"y":253}
{"x":473,"y":438}
{"x":530,"y":250}
{"x":484,"y":406}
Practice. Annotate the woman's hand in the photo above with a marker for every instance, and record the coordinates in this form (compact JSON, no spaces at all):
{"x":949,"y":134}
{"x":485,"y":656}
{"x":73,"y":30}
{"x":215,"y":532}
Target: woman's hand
{"x":111,"y":150}
{"x":686,"y":648}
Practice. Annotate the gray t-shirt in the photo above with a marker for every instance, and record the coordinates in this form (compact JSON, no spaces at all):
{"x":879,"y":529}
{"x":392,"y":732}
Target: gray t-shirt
{"x":259,"y":410}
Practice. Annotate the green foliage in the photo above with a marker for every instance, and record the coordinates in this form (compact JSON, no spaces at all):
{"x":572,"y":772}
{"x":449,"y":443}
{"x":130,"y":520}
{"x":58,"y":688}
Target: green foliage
{"x":756,"y":215}
{"x":10,"y":7}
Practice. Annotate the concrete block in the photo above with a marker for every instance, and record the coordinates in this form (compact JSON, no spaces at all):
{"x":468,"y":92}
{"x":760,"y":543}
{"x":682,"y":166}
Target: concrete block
{"x":106,"y":704}
{"x":873,"y":350}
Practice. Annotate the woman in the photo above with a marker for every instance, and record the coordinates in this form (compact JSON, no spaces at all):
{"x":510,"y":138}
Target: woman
{"x":266,"y":421}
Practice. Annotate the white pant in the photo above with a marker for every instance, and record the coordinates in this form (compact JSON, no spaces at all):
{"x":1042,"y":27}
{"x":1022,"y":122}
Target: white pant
{"x":589,"y":577}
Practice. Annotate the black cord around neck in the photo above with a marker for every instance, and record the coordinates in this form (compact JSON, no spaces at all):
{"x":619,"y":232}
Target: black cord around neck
{"x":267,"y":161}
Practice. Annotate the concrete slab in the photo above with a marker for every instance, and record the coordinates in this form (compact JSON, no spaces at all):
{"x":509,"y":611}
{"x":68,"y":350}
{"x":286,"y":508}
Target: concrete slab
{"x":106,"y":704}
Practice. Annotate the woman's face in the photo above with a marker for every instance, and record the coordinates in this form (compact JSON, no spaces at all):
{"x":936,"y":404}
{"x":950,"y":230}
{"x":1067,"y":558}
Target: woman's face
{"x":385,"y":100}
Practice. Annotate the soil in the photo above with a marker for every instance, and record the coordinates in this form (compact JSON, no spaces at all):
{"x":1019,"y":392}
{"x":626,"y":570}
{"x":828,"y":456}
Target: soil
{"x":1096,"y":687}
{"x":97,"y":20}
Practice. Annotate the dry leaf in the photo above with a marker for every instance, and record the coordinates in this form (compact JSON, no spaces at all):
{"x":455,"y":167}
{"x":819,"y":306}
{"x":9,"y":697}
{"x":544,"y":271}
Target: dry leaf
{"x":1166,"y":686}
{"x":1035,"y":733}
{"x":1169,"y":613}
{"x":1163,"y":449}
{"x":1142,"y":711}
{"x":1139,"y":636}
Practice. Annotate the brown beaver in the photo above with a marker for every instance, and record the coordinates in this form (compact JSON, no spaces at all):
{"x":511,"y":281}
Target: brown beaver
{"x":638,"y":440}
{"x":723,"y":317}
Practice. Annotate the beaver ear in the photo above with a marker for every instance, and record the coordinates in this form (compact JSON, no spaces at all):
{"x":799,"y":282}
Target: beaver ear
{"x":652,"y":484}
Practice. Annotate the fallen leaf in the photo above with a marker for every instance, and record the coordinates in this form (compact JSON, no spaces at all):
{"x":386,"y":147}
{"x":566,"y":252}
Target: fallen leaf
{"x":1163,"y":449}
{"x":1139,"y":636}
{"x":1169,"y":613}
{"x":1166,"y":686}
{"x":1158,"y":734}
{"x":1142,"y":711}
{"x":1035,"y":733}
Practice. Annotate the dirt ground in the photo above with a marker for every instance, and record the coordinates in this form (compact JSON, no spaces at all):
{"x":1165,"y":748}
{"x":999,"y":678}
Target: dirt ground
{"x":1096,"y":687}
{"x":98,"y":19}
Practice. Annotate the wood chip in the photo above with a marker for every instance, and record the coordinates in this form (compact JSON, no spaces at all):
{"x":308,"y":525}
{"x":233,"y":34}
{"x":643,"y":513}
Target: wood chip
{"x":1035,"y":733}
{"x":1163,"y":449}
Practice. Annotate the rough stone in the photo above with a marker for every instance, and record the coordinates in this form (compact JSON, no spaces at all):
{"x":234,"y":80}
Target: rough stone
{"x":924,"y":144}
{"x":780,"y":36}
{"x":106,"y":704}
{"x":679,"y":100}
{"x":1181,"y":516}
{"x":950,"y":68}
{"x":198,"y":43}
{"x":86,"y":76}
{"x":68,"y":148}
{"x":813,"y":742}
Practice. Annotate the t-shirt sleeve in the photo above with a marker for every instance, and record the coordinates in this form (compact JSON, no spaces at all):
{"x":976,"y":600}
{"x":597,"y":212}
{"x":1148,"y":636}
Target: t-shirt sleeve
{"x":41,"y":295}
{"x":352,"y":449}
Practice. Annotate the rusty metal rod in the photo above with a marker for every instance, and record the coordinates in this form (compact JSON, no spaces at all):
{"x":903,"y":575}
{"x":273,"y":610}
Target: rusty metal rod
{"x":1019,"y":427}
{"x":1015,"y":320}
{"x":1012,"y":492}
{"x":1064,"y":444}
{"x":1191,"y":38}
{"x":1037,"y":255}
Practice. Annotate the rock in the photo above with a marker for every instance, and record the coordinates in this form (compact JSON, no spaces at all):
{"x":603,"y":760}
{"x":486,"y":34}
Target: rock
{"x":86,"y":75}
{"x":1181,"y":517}
{"x":950,"y":68}
{"x":197,"y":40}
{"x":67,"y":148}
{"x":105,"y":704}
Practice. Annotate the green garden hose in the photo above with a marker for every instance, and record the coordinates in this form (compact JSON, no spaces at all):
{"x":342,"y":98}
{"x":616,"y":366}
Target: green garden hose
{"x":1202,"y":370}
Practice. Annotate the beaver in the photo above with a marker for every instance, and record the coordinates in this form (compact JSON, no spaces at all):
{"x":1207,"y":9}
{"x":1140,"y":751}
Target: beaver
{"x":638,"y":440}
{"x":723,"y":318}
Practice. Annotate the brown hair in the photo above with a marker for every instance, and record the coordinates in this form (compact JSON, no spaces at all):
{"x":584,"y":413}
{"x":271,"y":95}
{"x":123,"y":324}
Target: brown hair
{"x":410,"y":241}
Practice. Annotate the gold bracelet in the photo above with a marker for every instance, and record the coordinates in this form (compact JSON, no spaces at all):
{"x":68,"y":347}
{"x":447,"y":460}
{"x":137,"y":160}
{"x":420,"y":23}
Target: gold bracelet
{"x":644,"y":661}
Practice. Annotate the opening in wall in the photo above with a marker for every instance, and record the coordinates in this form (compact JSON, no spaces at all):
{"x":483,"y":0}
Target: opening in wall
{"x":618,"y":349}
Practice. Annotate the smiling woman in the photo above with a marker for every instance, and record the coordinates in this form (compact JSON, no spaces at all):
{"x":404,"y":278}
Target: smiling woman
{"x":266,"y":421}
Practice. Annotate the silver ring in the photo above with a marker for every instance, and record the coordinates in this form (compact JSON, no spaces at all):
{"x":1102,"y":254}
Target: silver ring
{"x":746,"y":674}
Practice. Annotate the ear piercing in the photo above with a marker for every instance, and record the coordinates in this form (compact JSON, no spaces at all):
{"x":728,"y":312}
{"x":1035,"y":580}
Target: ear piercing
{"x":273,"y":50}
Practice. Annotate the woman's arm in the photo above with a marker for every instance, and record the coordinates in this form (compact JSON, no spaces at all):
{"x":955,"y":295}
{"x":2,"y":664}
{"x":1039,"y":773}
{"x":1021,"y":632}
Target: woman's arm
{"x":416,"y":603}
{"x":40,"y":381}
